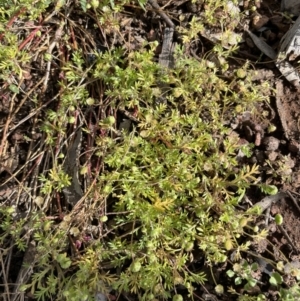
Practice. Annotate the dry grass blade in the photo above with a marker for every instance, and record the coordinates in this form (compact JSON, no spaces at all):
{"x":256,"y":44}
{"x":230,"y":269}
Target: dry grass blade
{"x":262,"y":46}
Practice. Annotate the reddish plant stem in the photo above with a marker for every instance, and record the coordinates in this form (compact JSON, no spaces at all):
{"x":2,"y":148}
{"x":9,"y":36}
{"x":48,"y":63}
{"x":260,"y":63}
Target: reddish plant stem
{"x":58,"y":201}
{"x":30,"y":37}
{"x":73,"y":38}
{"x":12,"y":20}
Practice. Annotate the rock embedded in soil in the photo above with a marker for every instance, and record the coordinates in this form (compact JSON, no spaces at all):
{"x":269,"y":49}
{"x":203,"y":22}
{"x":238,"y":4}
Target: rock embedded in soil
{"x":272,"y":156}
{"x":259,"y":157}
{"x":294,"y":147}
{"x":271,"y":143}
{"x":291,"y":6}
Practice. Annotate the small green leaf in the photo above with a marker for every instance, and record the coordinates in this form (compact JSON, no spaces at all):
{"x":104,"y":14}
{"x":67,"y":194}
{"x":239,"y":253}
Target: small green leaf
{"x":14,"y":88}
{"x":241,"y":73}
{"x":230,"y":273}
{"x":83,"y":5}
{"x":275,"y":279}
{"x":71,"y":120}
{"x":252,"y":282}
{"x":238,"y":280}
{"x":11,"y":210}
{"x":189,"y":246}
{"x":280,"y":265}
{"x":136,"y":266}
{"x":278,"y":219}
{"x":261,"y":297}
{"x":177,"y":298}
{"x":269,"y":189}
{"x":84,"y":170}
{"x":90,"y":101}
{"x":219,"y":289}
{"x":247,"y":287}
{"x":24,"y":287}
{"x":142,"y":4}
{"x":254,"y":266}
{"x":271,"y":128}
{"x":48,"y":57}
{"x":104,"y":218}
{"x":95,"y":3}
{"x":110,"y":120}
{"x":63,"y":260}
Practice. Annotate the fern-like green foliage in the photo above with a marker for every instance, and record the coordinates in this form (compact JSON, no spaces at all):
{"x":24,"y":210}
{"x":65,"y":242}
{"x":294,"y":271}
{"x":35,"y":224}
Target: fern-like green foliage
{"x":168,"y":190}
{"x":172,"y":182}
{"x":173,"y":173}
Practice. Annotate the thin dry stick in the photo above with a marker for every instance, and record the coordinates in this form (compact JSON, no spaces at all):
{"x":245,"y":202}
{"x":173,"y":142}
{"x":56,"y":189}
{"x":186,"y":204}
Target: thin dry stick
{"x":169,"y":2}
{"x":9,"y":119}
{"x":161,"y":13}
{"x":7,"y":123}
{"x":267,"y":216}
{"x":128,"y":115}
{"x":287,"y":237}
{"x":29,"y":38}
{"x":26,"y":270}
{"x":12,"y":20}
{"x":294,"y":200}
{"x":33,"y":113}
{"x":269,"y":200}
{"x":4,"y":275}
{"x":27,"y":95}
{"x":13,"y":175}
{"x":57,"y":37}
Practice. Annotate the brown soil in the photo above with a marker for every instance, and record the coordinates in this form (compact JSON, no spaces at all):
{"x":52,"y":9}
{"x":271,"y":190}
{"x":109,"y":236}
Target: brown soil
{"x":280,"y":149}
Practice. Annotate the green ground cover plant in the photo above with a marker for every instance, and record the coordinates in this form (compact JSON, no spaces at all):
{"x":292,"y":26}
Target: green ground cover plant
{"x":167,"y":192}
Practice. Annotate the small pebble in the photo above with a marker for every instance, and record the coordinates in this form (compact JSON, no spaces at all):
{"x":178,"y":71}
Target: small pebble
{"x":271,"y":143}
{"x":260,"y":156}
{"x":272,"y":156}
{"x":294,"y":147}
{"x":100,"y":297}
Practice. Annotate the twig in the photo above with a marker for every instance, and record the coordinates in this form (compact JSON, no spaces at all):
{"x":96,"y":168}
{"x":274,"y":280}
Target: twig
{"x":128,"y":115}
{"x":26,"y":270}
{"x":12,"y":20}
{"x":4,"y":275}
{"x":267,"y":216}
{"x":7,"y":123}
{"x":294,"y":200}
{"x":161,"y":13}
{"x":287,"y":237}
{"x":57,"y":37}
{"x":30,"y":37}
{"x":33,"y":113}
{"x":269,"y":200}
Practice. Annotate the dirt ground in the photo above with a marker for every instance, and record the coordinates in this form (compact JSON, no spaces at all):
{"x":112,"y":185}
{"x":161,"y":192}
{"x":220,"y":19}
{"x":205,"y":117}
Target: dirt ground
{"x":276,"y":152}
